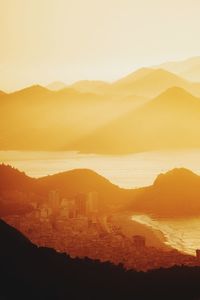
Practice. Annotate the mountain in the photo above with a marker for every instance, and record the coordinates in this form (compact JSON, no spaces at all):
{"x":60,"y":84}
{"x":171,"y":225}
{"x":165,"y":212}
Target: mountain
{"x":56,"y":86}
{"x":37,"y":118}
{"x":77,"y":181}
{"x":51,"y":120}
{"x":16,"y":186}
{"x":13,"y":179}
{"x":31,"y":272}
{"x":174,"y":194}
{"x":91,"y":86}
{"x":152,"y":82}
{"x":31,"y":91}
{"x":18,"y":191}
{"x":136,"y":75}
{"x":153,"y":126}
{"x":189,"y":68}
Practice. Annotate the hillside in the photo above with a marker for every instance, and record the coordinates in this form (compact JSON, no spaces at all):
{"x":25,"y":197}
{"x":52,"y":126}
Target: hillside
{"x":42,"y":273}
{"x":91,"y":86}
{"x":56,"y":86}
{"x":174,"y":194}
{"x":17,"y":189}
{"x":14,"y":189}
{"x":188,"y":68}
{"x":77,"y":181}
{"x":154,"y":126}
{"x":152,"y":82}
{"x":51,"y":120}
{"x":13,"y":179}
{"x":59,"y":117}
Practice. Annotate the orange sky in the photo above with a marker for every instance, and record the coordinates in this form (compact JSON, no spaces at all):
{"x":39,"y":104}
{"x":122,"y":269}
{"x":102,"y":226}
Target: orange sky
{"x":69,"y":40}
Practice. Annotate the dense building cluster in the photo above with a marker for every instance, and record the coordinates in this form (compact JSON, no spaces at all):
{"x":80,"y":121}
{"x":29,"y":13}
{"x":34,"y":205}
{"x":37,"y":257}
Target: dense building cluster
{"x":75,"y":226}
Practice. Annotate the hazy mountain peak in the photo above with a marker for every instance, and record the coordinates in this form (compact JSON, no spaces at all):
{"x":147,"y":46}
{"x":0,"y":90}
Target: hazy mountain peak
{"x":89,"y":82}
{"x":161,"y":73}
{"x":177,"y":91}
{"x":90,"y":86}
{"x":175,"y":96}
{"x":32,"y":89}
{"x":187,"y":68}
{"x":138,"y":74}
{"x":56,"y":86}
{"x":78,"y":172}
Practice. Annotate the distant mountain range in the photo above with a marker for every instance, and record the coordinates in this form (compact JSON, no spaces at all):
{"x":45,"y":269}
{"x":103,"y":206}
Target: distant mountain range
{"x":174,"y":194}
{"x":36,"y":118}
{"x":56,"y":86}
{"x":188,"y":68}
{"x":91,"y":86}
{"x":151,"y":82}
{"x":146,"y":110}
{"x":170,"y":121}
{"x":145,"y":82}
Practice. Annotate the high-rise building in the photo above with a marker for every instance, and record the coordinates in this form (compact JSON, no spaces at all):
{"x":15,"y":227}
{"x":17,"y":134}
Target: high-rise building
{"x":68,"y":208}
{"x":80,"y":204}
{"x":92,"y":203}
{"x":54,"y":201}
{"x":198,"y":254}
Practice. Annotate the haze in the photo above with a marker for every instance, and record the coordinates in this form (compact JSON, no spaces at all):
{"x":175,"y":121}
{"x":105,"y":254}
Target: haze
{"x":70,"y":40}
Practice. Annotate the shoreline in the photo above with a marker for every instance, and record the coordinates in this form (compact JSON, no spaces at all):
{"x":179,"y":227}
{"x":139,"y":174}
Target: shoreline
{"x":154,"y":237}
{"x":171,"y":237}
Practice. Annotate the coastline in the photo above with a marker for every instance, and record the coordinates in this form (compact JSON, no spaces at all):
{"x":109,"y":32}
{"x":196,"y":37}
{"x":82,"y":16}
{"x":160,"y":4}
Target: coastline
{"x":154,"y":237}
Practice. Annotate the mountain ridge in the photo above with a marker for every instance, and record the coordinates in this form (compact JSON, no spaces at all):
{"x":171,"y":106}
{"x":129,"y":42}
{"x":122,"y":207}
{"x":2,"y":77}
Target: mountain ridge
{"x":188,"y":68}
{"x":175,"y":193}
{"x":153,"y":126}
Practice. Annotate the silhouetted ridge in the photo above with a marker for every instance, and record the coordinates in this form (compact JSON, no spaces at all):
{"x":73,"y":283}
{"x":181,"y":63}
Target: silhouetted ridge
{"x":177,"y":175}
{"x":28,"y":272}
{"x":12,"y":238}
{"x":173,"y":194}
{"x":13,"y":179}
{"x":85,"y":175}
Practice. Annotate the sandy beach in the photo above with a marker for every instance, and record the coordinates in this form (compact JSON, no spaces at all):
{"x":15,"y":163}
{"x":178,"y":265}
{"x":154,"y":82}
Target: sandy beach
{"x":154,"y":238}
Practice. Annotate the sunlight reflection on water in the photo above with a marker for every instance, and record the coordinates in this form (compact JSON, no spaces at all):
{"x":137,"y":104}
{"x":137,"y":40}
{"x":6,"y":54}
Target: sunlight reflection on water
{"x":134,"y":170}
{"x":181,"y":234}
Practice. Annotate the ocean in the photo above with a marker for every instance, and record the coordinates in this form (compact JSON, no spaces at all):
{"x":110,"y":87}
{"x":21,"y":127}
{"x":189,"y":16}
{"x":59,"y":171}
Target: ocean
{"x":128,"y":171}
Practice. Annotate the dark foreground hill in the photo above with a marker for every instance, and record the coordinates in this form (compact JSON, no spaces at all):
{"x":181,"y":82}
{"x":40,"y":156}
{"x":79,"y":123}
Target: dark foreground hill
{"x":29,"y":272}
